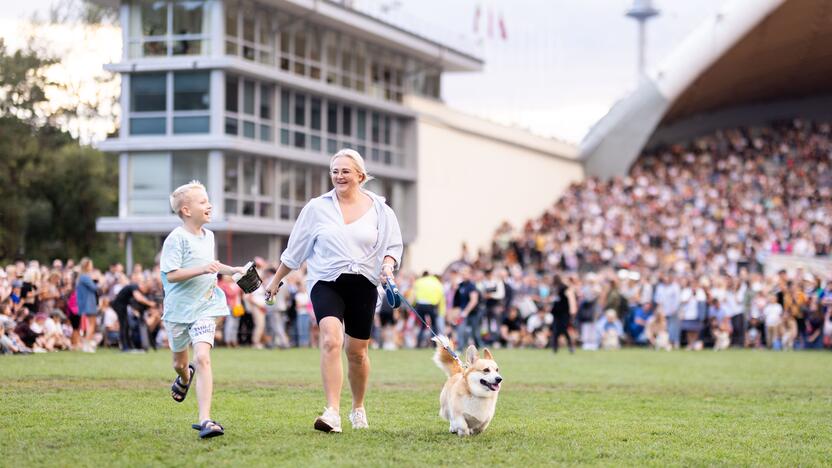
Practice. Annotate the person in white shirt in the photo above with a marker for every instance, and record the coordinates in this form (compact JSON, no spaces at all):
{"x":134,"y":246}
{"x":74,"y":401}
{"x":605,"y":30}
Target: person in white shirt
{"x":773,"y":313}
{"x":351,"y":241}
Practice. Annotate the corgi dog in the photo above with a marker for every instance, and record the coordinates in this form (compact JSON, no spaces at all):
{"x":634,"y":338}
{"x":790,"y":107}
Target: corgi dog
{"x":469,"y":396}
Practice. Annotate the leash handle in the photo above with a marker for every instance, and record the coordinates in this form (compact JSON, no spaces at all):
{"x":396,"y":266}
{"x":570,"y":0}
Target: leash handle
{"x":394,"y":298}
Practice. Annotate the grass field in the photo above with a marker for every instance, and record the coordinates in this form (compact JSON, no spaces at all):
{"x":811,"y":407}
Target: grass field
{"x":632,"y":407}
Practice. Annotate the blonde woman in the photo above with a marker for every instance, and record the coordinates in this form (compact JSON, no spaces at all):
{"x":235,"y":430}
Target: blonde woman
{"x":351,"y":242}
{"x":86,"y":294}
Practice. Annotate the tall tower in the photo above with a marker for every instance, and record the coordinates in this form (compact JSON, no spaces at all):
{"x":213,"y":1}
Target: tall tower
{"x":641,"y":11}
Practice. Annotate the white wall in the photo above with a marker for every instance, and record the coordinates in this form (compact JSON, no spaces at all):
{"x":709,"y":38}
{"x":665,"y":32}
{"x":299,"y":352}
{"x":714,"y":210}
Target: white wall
{"x":473,"y":174}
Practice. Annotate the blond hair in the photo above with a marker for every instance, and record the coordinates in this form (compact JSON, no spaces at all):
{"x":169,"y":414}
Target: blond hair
{"x":85,"y":265}
{"x":180,"y":195}
{"x":356,"y":159}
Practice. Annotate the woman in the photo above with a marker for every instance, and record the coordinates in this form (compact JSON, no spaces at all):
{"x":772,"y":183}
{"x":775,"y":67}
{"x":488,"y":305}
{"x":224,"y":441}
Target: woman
{"x":348,"y":238}
{"x":86,"y":291}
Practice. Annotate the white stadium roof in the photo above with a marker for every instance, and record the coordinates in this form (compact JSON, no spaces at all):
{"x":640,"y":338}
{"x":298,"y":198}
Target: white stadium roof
{"x":733,"y":68}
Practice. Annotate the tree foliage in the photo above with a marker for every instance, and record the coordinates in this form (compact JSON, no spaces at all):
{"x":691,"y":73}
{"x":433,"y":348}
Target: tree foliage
{"x":52,"y":188}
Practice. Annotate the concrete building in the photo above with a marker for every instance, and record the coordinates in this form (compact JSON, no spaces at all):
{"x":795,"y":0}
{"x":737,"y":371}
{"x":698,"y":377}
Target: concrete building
{"x":252,"y":98}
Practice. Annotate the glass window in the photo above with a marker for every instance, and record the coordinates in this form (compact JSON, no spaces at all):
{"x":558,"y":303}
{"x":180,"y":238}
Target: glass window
{"x":249,"y":180}
{"x":331,"y":117}
{"x":346,"y":120}
{"x":248,"y":129}
{"x":387,"y":130}
{"x":248,"y":208}
{"x":191,"y":90}
{"x":148,"y":92}
{"x":314,"y":54}
{"x":300,"y":109}
{"x":267,"y":177}
{"x":150,"y":184}
{"x":300,"y":139}
{"x":315,"y":121}
{"x":147,"y":126}
{"x":266,"y":92}
{"x":231,"y":126}
{"x":376,"y":130}
{"x":188,"y":167}
{"x":285,"y":179}
{"x":315,"y":182}
{"x":300,"y":184}
{"x":362,"y":124}
{"x":248,"y":25}
{"x":284,"y":106}
{"x":188,"y":18}
{"x":231,"y":174}
{"x":248,"y":97}
{"x":300,"y":43}
{"x":266,"y":133}
{"x":154,"y":15}
{"x":232,"y":94}
{"x":285,"y":47}
{"x":230,"y":20}
{"x":195,"y":124}
{"x":230,"y":206}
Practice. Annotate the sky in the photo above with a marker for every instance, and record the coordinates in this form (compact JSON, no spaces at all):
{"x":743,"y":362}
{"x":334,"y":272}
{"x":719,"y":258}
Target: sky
{"x":562,"y":65}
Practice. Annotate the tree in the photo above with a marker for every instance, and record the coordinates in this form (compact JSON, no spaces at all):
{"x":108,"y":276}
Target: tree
{"x":22,"y":82}
{"x":52,"y":188}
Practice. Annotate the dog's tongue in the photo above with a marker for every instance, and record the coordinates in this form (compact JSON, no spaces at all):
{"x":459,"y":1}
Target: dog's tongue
{"x":495,"y":386}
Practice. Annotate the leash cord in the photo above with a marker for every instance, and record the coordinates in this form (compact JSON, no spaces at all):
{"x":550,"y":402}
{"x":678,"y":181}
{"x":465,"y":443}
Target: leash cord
{"x":392,"y":288}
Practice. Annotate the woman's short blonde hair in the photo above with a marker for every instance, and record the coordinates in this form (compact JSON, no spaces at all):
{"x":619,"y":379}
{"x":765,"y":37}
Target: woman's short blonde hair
{"x":180,"y":195}
{"x":356,"y":159}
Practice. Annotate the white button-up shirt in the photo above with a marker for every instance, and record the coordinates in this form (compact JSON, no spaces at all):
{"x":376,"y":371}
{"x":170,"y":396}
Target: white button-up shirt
{"x":319,"y":237}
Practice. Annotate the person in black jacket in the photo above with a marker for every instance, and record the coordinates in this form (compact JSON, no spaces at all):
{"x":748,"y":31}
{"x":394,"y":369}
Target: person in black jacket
{"x":564,"y":308}
{"x":133,"y":295}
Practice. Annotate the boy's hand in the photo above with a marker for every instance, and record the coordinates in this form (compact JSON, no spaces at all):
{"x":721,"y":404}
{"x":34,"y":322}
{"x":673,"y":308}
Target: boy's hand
{"x":211,"y":268}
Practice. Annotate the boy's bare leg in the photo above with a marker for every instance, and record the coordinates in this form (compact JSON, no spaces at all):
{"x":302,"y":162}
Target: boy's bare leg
{"x":204,"y":379}
{"x":180,"y":365}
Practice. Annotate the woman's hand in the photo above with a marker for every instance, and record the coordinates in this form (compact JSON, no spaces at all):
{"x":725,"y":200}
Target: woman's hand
{"x":387,"y":272}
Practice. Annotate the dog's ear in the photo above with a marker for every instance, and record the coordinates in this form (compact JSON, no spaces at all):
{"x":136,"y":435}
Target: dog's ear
{"x":471,"y":355}
{"x":487,"y":354}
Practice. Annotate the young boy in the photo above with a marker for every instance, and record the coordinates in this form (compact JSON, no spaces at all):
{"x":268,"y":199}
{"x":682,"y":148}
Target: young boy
{"x":192,"y":299}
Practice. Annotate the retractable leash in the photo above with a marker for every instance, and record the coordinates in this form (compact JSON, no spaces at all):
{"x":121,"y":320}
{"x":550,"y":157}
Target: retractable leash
{"x":395,"y":300}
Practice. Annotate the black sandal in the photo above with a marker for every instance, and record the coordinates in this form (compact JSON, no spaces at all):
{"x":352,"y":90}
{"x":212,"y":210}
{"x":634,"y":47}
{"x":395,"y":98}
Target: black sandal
{"x":206,"y":431}
{"x":178,"y":391}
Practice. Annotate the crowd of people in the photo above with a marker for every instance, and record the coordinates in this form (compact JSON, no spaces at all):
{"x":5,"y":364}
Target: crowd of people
{"x":669,"y":256}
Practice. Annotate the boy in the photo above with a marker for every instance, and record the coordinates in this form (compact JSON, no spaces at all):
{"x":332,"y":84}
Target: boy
{"x":192,"y":299}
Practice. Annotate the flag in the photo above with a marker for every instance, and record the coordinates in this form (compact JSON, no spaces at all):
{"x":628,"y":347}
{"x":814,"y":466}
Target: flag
{"x":502,"y":24}
{"x":477,"y":13}
{"x":490,"y":23}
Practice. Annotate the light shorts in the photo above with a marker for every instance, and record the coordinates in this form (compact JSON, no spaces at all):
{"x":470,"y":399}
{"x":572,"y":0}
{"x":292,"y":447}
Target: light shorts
{"x":180,"y":335}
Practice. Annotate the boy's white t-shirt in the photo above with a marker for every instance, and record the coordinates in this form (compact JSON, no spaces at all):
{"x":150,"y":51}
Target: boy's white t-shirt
{"x":196,"y":298}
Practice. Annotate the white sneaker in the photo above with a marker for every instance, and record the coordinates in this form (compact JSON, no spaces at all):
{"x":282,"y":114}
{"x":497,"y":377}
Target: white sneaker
{"x":358,"y":418}
{"x":330,"y":421}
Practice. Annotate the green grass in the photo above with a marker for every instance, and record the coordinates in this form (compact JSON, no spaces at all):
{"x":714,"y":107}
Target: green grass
{"x":632,"y":407}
